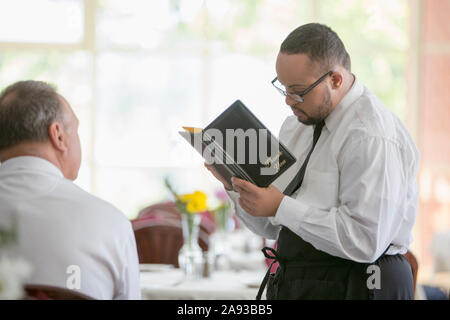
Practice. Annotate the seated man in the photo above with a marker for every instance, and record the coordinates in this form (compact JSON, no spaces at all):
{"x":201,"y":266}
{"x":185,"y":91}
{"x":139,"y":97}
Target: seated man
{"x":71,"y":238}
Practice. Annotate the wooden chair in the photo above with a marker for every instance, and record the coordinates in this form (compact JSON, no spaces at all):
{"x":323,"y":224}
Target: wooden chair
{"x":414,"y":265}
{"x":163,"y":211}
{"x":44,"y":292}
{"x":160,"y":241}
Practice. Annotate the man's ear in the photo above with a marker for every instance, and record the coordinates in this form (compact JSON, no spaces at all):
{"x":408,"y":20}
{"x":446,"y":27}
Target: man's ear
{"x":337,"y":80}
{"x":57,"y":136}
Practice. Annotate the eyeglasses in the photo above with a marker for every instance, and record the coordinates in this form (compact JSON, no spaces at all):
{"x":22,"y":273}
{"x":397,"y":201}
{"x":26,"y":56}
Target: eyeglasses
{"x":298,"y":96}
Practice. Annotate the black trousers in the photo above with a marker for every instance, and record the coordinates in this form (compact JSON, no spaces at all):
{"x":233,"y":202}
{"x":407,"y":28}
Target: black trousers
{"x":396,"y":279}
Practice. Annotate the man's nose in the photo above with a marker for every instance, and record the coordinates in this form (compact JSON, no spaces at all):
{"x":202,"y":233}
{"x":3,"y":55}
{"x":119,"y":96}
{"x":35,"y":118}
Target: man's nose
{"x":290,"y":102}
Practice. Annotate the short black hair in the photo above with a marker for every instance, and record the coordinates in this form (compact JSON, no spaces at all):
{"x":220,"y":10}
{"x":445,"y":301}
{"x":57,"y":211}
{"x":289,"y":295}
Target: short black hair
{"x":27,"y":109}
{"x":319,"y":43}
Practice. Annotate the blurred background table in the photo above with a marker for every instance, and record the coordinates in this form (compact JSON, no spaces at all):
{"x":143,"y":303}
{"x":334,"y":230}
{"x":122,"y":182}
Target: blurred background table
{"x":237,"y":265}
{"x":169,"y":284}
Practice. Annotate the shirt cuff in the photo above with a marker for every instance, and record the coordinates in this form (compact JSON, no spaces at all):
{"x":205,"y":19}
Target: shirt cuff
{"x":290,"y":212}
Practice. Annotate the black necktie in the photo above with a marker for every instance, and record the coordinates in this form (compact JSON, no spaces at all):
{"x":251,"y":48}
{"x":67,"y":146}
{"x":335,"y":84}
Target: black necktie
{"x":298,"y":179}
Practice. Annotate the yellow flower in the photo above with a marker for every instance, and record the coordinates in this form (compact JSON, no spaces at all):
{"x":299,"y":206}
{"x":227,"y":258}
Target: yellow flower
{"x":195,"y":202}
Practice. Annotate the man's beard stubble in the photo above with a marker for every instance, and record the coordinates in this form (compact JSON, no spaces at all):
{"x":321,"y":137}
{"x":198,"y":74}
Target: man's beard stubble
{"x":324,"y":109}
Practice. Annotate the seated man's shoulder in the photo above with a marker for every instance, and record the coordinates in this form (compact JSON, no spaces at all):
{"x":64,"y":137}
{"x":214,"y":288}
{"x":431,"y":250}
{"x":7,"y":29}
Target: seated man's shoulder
{"x":86,"y":204}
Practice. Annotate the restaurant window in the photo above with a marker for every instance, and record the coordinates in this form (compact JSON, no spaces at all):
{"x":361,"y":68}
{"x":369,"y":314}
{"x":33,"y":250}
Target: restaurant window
{"x":136,"y":71}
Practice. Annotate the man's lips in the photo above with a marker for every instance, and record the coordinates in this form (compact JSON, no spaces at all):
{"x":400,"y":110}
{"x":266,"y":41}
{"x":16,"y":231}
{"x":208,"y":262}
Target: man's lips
{"x":298,"y":112}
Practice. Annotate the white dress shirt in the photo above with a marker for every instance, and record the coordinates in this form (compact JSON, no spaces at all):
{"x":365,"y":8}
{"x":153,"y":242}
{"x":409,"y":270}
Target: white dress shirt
{"x":359,"y":192}
{"x":62,"y":226}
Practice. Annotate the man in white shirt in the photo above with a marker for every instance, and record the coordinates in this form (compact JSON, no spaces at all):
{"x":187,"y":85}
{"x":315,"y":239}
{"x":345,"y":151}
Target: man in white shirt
{"x":343,"y":214}
{"x":72,"y":239}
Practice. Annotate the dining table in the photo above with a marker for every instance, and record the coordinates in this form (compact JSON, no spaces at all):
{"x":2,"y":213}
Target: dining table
{"x":165,"y":282}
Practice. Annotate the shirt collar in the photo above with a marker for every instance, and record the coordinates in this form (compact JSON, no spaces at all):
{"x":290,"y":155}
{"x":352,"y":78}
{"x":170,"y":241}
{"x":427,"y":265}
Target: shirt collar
{"x":30,"y":162}
{"x":351,"y":96}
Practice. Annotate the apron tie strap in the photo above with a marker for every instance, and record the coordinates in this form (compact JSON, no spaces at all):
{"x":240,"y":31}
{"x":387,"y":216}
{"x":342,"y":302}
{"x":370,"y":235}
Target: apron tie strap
{"x":276,"y":258}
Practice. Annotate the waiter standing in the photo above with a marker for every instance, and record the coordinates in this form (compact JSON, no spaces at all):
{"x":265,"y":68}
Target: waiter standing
{"x":343,"y":214}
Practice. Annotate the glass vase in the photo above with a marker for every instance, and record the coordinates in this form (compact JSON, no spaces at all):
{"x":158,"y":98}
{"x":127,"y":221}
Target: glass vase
{"x":190,"y":257}
{"x":220,"y":239}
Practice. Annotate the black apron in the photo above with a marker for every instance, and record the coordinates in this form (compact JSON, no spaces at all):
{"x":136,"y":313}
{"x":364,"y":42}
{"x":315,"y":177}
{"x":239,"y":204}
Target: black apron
{"x":307,"y":273}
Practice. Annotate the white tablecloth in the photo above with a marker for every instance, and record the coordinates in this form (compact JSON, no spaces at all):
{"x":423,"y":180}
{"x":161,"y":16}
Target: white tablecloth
{"x":222,"y":285}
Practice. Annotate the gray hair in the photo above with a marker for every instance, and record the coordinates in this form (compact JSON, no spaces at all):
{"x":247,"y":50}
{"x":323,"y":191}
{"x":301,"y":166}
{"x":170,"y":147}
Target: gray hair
{"x":319,"y":43}
{"x":27,"y":109}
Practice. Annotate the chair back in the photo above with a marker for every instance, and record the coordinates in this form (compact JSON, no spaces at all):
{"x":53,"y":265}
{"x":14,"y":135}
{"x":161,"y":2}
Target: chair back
{"x":164,"y":211}
{"x":414,"y":265}
{"x":160,"y":241}
{"x":45,"y":292}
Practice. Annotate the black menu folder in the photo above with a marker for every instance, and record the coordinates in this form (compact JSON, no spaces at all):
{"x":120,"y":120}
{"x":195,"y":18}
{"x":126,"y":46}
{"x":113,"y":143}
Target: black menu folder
{"x":237,"y":144}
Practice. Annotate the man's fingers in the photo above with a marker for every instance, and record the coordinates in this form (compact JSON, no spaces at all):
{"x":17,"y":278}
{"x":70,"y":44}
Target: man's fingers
{"x":240,"y":185}
{"x":246,"y":205}
{"x":248,"y":200}
{"x":242,"y":191}
{"x":217,"y":176}
{"x":244,"y":185}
